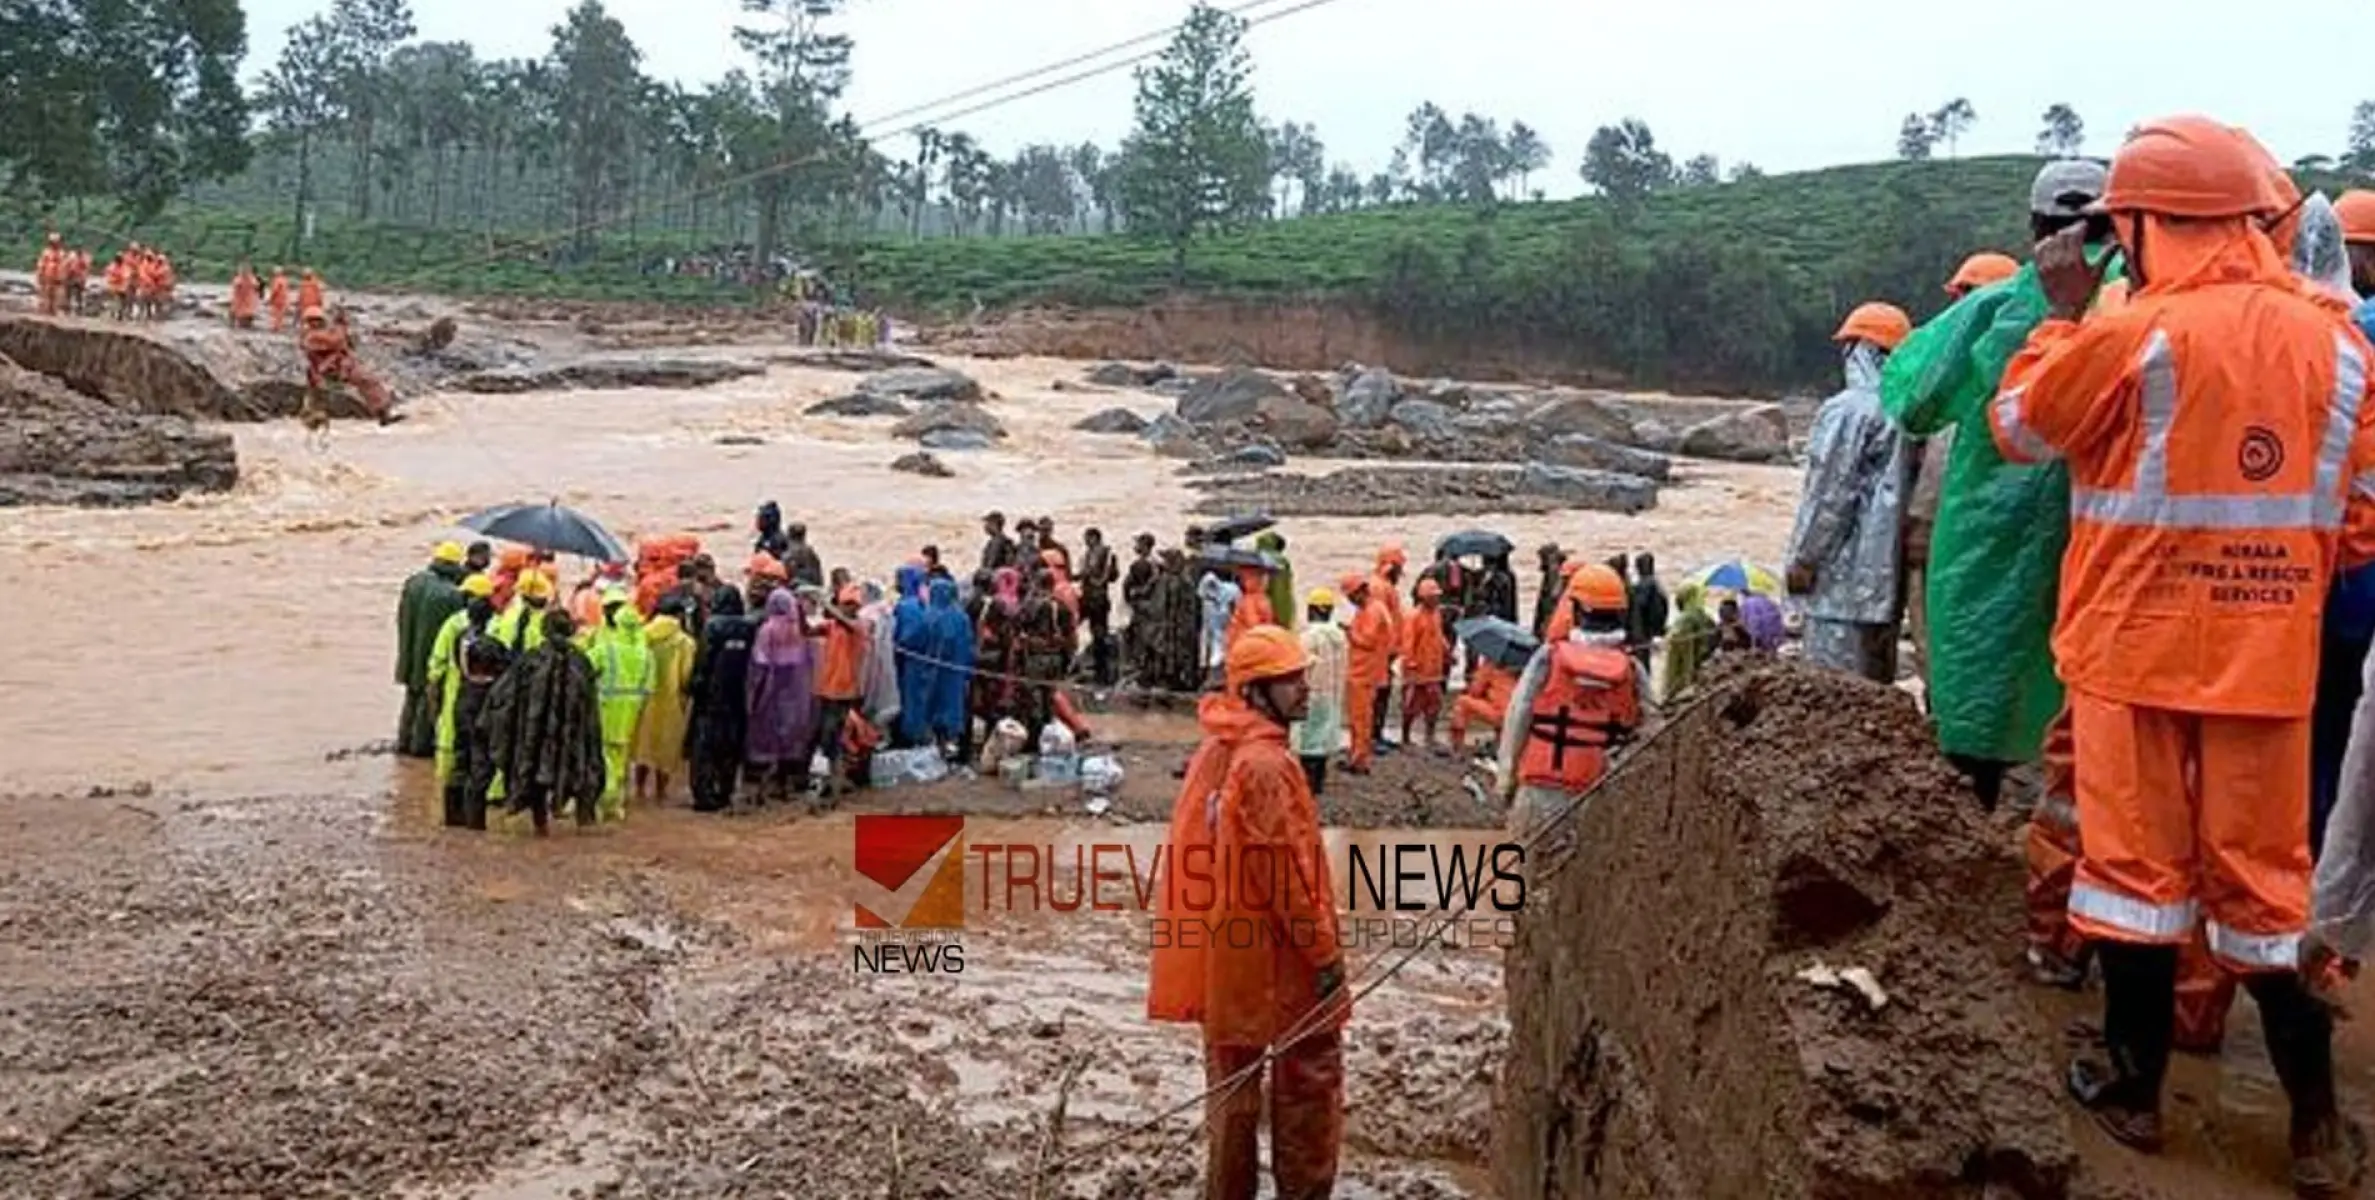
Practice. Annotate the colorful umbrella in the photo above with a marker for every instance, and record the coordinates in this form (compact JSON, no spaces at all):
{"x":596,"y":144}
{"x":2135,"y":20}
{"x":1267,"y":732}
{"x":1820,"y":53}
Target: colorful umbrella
{"x":1737,"y":576}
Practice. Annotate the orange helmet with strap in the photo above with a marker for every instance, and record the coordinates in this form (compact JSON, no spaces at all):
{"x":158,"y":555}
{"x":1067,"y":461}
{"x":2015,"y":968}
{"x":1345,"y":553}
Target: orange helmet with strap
{"x":1264,"y":652}
{"x":1597,"y":588}
{"x":2190,"y":167}
{"x":1884,"y":325}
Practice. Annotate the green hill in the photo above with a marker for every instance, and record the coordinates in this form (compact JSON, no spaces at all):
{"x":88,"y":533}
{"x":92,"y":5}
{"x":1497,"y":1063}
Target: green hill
{"x":1733,"y":285}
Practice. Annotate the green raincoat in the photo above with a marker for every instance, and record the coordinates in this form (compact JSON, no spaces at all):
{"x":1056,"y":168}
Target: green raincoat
{"x":429,"y":597}
{"x":1996,"y":552}
{"x":1281,"y":588}
{"x":623,"y":675}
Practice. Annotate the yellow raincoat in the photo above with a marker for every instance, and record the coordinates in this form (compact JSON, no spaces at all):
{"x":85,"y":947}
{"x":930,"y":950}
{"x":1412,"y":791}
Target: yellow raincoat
{"x":659,"y":739}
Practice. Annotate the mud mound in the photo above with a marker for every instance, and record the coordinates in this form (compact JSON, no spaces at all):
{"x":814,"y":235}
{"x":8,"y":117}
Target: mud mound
{"x":1661,"y":1041}
{"x":606,"y":374}
{"x":1448,"y":491}
{"x":58,"y":446}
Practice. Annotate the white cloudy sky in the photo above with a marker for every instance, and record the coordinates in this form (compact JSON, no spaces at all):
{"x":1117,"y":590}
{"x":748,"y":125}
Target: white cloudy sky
{"x":1787,"y":84}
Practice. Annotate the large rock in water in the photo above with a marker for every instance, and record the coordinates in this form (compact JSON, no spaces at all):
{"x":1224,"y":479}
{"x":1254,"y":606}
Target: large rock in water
{"x":1581,"y":413}
{"x":1112,"y":420}
{"x":1423,"y":417}
{"x":922,"y":463}
{"x":858,"y":404}
{"x":1368,"y":399}
{"x":58,"y":446}
{"x":1172,"y":437}
{"x":1232,"y":395}
{"x":1758,"y":433}
{"x":922,"y":383}
{"x":1603,"y":490}
{"x":1584,"y":450}
{"x":956,"y":439}
{"x":1296,"y":421}
{"x":970,"y":417}
{"x":1800,"y":818}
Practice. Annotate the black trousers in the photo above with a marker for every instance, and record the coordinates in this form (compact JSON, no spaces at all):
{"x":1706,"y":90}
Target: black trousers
{"x":1315,"y":771}
{"x":1385,"y":696}
{"x":716,"y":769}
{"x":1099,"y":615}
{"x":2140,"y":1024}
{"x":416,"y":726}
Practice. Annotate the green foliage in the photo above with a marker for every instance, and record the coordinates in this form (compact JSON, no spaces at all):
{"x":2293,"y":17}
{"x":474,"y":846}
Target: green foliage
{"x":129,"y":100}
{"x":1196,"y":161}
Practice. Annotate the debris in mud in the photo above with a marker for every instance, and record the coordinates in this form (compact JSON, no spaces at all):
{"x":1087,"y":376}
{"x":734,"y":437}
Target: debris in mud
{"x":922,"y":463}
{"x":1448,"y":491}
{"x":739,"y":439}
{"x":1792,"y":814}
{"x":1249,"y":397}
{"x":1757,"y":434}
{"x":964,"y":416}
{"x":1117,"y":374}
{"x":606,"y":374}
{"x":956,"y":439}
{"x":1171,"y":437}
{"x":855,"y":360}
{"x":1584,"y":450}
{"x":58,"y":446}
{"x":1253,"y":456}
{"x":923,"y":383}
{"x":859,"y":404}
{"x":1112,"y":420}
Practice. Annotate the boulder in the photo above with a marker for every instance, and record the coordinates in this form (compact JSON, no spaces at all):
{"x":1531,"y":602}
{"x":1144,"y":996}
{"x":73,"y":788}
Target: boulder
{"x":1450,"y":393}
{"x":1425,"y":418}
{"x":858,"y":404}
{"x":969,"y":417}
{"x":956,"y":439}
{"x":1757,"y":433}
{"x":1313,"y":391}
{"x":1172,"y":437}
{"x":1259,"y":455}
{"x":1607,"y":491}
{"x":1581,"y":413}
{"x":1484,"y":424}
{"x":1112,"y":420}
{"x":921,"y":463}
{"x":1654,"y":434}
{"x":1369,"y":399}
{"x":1296,"y":421}
{"x":1584,"y":450}
{"x":922,"y":383}
{"x":1233,"y":395}
{"x":1114,"y":374}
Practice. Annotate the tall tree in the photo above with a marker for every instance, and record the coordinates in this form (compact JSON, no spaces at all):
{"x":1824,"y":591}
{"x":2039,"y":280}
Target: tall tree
{"x":598,"y":73}
{"x":368,"y":33}
{"x":1915,"y":138}
{"x":131,"y":99}
{"x":1702,"y":170}
{"x":1480,"y":160}
{"x":1095,"y":172}
{"x":1624,"y":162}
{"x":300,"y":99}
{"x":802,"y":69}
{"x":2063,"y":134}
{"x":1298,"y":162}
{"x":1528,"y":153}
{"x":1196,"y":159}
{"x":2359,"y":156}
{"x":1952,"y":120}
{"x":1743,"y":171}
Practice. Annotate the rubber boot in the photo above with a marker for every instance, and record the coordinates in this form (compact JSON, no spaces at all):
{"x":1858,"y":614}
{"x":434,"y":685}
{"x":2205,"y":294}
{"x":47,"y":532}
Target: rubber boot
{"x":2139,"y":1019}
{"x":2329,"y":1152}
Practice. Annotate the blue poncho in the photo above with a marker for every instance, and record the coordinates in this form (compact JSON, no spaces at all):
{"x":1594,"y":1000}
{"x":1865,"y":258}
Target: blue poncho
{"x":950,"y":638}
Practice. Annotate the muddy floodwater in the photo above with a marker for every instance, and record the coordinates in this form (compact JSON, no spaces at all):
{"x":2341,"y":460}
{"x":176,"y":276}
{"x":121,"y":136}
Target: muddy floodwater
{"x":237,"y":957}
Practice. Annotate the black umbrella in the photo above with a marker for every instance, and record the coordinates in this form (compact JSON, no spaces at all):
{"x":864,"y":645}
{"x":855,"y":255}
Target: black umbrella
{"x":1236,"y":556}
{"x":1236,"y":527}
{"x":1507,"y":644}
{"x":548,"y":527}
{"x":1478,"y":543}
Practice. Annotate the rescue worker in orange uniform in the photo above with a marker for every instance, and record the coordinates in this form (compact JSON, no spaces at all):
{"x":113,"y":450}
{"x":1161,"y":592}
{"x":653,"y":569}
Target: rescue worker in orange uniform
{"x":243,"y":298}
{"x":1246,"y":946}
{"x":1386,"y":586}
{"x":49,"y":276}
{"x":1579,"y":698}
{"x":1252,"y":608}
{"x":119,"y":286}
{"x":277,"y":299}
{"x":1980,"y":270}
{"x":78,"y":279}
{"x":1486,"y":700}
{"x":2216,"y":430}
{"x":309,"y":292}
{"x":1426,"y":663}
{"x":330,"y":358}
{"x":1371,"y":667}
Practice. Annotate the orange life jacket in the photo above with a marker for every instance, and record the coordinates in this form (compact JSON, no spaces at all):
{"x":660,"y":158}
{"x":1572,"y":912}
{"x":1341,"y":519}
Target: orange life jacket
{"x":1587,"y":702}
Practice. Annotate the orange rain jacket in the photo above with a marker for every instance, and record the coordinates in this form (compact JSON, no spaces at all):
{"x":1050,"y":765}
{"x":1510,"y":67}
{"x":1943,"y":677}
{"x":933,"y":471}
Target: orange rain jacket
{"x":243,"y":296}
{"x":277,"y":299}
{"x":1426,"y":653}
{"x":1253,"y":606}
{"x":309,"y":292}
{"x":1244,"y":852}
{"x":2204,"y":527}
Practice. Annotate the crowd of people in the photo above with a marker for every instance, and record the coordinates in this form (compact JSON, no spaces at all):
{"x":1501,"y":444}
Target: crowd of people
{"x":138,"y":282}
{"x":2124,"y":498}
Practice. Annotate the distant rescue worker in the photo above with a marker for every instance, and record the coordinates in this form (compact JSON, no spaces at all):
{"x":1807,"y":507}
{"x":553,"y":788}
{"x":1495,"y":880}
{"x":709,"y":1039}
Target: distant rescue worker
{"x":624,"y":675}
{"x":1369,"y":669}
{"x":464,"y":662}
{"x":1273,"y":989}
{"x":430,"y":596}
{"x":1844,"y":552}
{"x":1426,"y":663}
{"x":330,"y":358}
{"x":119,"y":286}
{"x":1578,"y":699}
{"x":1385,"y":587}
{"x":1320,"y":733}
{"x":49,"y":276}
{"x":1485,"y":701}
{"x":2219,"y":443}
{"x":276,"y":298}
{"x":243,"y":297}
{"x":78,"y":280}
{"x":309,"y":293}
{"x":659,"y":751}
{"x":1552,"y":587}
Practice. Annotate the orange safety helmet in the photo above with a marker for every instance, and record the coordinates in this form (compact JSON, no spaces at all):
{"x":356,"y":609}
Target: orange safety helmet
{"x":1392,"y":556}
{"x":1264,"y":652}
{"x":763,"y":565}
{"x":1883,"y":325}
{"x":2357,"y":210}
{"x":1980,"y":270}
{"x":1351,"y":582}
{"x":2190,"y":167}
{"x":1597,"y":588}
